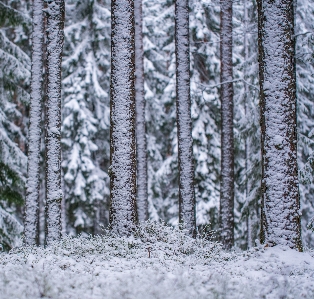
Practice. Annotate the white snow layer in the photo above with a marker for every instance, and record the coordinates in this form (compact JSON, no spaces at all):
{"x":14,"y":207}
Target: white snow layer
{"x":178,"y":267}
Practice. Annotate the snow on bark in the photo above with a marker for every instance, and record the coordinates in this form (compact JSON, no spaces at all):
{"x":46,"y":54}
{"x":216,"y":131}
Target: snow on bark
{"x":141,"y":144}
{"x":280,"y":195}
{"x":32,"y":192}
{"x":122,"y":119}
{"x":55,"y":36}
{"x":248,"y":165}
{"x":227,"y":144}
{"x":184,"y":122}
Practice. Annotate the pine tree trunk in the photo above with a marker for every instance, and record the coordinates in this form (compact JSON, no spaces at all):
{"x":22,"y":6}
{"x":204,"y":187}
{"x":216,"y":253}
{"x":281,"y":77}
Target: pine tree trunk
{"x":227,"y":144}
{"x":55,"y":36}
{"x":141,"y":144}
{"x":122,"y":119}
{"x":280,"y":194}
{"x":246,"y":141}
{"x":184,"y":122}
{"x":34,"y":142}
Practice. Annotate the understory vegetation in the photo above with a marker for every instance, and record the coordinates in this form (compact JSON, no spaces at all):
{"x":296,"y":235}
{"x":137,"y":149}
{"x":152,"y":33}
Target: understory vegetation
{"x":158,"y":261}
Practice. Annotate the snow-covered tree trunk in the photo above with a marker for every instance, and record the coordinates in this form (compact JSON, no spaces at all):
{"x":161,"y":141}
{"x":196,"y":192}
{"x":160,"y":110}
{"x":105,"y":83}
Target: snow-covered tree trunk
{"x":227,"y":144}
{"x":246,"y":113}
{"x":141,"y":144}
{"x":280,"y":194}
{"x":55,"y":37}
{"x":184,"y":122}
{"x":304,"y":24}
{"x":34,"y":140}
{"x":122,"y":119}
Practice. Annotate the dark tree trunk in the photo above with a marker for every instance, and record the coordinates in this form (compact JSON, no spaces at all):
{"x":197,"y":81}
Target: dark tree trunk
{"x":227,"y":144}
{"x":34,"y":141}
{"x":184,"y":122}
{"x":280,"y":194}
{"x":55,"y":37}
{"x":122,"y":119}
{"x":141,"y":144}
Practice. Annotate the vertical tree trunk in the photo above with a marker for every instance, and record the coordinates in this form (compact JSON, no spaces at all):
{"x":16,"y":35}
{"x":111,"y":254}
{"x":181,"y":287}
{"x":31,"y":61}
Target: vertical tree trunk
{"x":34,"y":142}
{"x":141,"y":144}
{"x":227,"y":144}
{"x":280,"y":194}
{"x":55,"y":36}
{"x":122,"y":119}
{"x":246,"y":145}
{"x":184,"y":122}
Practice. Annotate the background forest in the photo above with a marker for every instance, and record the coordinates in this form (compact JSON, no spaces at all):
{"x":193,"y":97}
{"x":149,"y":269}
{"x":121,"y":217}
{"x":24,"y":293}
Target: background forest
{"x":85,"y":119}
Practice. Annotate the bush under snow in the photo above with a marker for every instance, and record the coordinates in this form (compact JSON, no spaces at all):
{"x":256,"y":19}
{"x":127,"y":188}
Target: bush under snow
{"x":156,"y":262}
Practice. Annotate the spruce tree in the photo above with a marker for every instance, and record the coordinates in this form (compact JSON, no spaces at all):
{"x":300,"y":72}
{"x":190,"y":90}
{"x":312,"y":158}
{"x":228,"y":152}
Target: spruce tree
{"x":159,"y":67}
{"x":205,"y":70}
{"x":85,"y":124}
{"x":122,"y":119}
{"x":14,"y":100}
{"x":55,"y":37}
{"x":280,"y":194}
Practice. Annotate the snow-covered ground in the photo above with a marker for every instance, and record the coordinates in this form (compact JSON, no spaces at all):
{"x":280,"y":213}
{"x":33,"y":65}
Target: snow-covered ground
{"x":178,"y":267}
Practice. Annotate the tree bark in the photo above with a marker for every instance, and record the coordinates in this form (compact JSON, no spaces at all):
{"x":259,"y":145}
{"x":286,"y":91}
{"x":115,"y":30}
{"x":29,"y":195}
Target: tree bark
{"x":122,"y":119}
{"x":55,"y":37}
{"x":280,"y":194}
{"x":34,"y":140}
{"x":227,"y":143}
{"x":141,"y":144}
{"x":246,"y":113}
{"x":184,"y":121}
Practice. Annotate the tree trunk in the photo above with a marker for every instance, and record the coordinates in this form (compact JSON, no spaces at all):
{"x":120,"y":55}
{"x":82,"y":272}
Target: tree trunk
{"x":122,"y":119}
{"x":184,"y":122}
{"x":55,"y":36}
{"x":227,"y":144}
{"x":247,"y":141}
{"x":141,"y":144}
{"x":34,"y":142}
{"x":280,"y":194}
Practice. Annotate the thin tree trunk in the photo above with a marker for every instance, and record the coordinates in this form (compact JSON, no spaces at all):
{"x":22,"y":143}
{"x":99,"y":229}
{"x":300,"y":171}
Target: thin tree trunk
{"x":246,"y":146}
{"x":227,"y":144}
{"x":55,"y":37}
{"x":184,"y":121}
{"x":280,"y":194}
{"x":122,"y":119}
{"x":141,"y":144}
{"x":34,"y":141}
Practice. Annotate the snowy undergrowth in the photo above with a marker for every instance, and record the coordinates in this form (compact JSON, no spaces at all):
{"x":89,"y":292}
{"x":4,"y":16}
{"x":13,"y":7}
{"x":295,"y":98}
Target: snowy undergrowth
{"x":157,"y":262}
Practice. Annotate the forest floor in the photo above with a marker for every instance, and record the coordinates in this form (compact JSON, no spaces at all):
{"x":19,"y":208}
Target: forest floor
{"x":157,"y":262}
